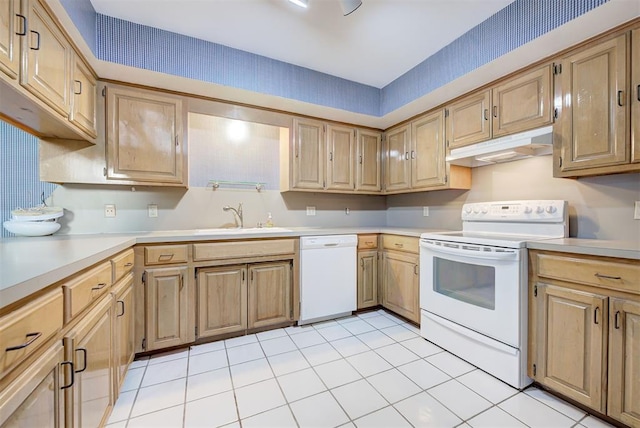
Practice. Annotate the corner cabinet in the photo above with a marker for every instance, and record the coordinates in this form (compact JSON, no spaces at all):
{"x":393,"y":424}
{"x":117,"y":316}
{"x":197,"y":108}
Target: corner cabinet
{"x":368,"y":272}
{"x":369,"y":168}
{"x":397,"y":168}
{"x":584,"y":330}
{"x":145,"y":139}
{"x":595,"y":133}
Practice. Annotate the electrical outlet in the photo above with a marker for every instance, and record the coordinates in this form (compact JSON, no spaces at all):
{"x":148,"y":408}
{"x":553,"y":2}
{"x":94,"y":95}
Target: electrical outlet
{"x":347,"y":211}
{"x":152,"y":210}
{"x":311,"y":210}
{"x":110,"y":210}
{"x":636,"y":211}
{"x":425,"y":211}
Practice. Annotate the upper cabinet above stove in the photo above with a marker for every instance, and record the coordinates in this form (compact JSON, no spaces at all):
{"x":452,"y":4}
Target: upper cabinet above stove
{"x":598,"y":101}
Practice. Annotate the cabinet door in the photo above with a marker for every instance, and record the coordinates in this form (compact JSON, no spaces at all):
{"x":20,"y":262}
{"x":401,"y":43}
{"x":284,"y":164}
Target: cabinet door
{"x":167,"y":301}
{"x":400,"y":284}
{"x":269,"y":294}
{"x":369,"y":169}
{"x":34,"y":398}
{"x":340,"y":158}
{"x":222,"y":300}
{"x":89,"y":346}
{"x":145,"y":137}
{"x":469,"y":121}
{"x":46,"y":62}
{"x":571,"y":330}
{"x":397,"y":165}
{"x":367,"y":279}
{"x":635,"y":96}
{"x":623,"y":401}
{"x":428,"y":151}
{"x":123,"y":330}
{"x":309,"y":153}
{"x":522,"y":103}
{"x":592,"y":126}
{"x":83,"y":105}
{"x":11,"y":27}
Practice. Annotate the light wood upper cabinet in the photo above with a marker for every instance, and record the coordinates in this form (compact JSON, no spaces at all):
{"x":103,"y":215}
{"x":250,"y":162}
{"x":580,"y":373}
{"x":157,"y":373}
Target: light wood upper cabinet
{"x":469,"y":120}
{"x":308,"y":154}
{"x":11,"y":27}
{"x":269,"y":300}
{"x":340,"y":158}
{"x":635,"y":96}
{"x":369,"y":168}
{"x":222,"y":300}
{"x":591,"y":135}
{"x":624,"y":362}
{"x":167,"y":308}
{"x":83,"y":102}
{"x":522,"y":103}
{"x":46,"y":63}
{"x":88,"y":345}
{"x":367,"y":278}
{"x":572,"y":323}
{"x":397,"y":170}
{"x":428,"y":166}
{"x":145,"y":141}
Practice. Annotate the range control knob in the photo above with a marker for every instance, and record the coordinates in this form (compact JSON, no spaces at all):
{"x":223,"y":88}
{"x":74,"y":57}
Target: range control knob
{"x":467,"y":209}
{"x":484,"y":209}
{"x":550,"y":209}
{"x":527,"y":209}
{"x":539,"y":209}
{"x":476,"y":210}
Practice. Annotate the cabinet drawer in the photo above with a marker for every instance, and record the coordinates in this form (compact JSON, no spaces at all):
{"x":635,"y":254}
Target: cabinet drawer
{"x":400,"y":243}
{"x":366,"y":242}
{"x":122,"y":264}
{"x":235,"y":250}
{"x":83,"y":289}
{"x":25,"y":329}
{"x":165,"y":254}
{"x":600,"y":273}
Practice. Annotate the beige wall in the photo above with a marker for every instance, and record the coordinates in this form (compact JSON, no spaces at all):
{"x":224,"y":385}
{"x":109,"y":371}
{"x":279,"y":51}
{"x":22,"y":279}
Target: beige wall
{"x":599,"y":207}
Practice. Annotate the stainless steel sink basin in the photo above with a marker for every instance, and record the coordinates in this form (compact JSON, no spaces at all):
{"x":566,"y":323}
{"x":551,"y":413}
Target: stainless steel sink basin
{"x":240,"y":231}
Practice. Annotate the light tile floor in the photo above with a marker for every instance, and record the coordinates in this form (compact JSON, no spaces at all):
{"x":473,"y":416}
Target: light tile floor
{"x":369,"y":370}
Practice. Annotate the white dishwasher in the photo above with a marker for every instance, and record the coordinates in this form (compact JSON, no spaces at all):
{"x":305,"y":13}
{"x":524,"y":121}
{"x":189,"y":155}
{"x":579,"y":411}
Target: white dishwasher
{"x":327,"y":277}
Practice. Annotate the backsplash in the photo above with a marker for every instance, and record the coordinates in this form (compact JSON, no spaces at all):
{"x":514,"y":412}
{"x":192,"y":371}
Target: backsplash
{"x":20,"y":185}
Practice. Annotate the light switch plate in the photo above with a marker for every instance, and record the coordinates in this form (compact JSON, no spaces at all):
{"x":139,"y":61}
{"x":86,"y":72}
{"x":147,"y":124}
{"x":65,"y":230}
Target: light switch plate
{"x":110,"y":210}
{"x":311,"y":210}
{"x":153,"y":210}
{"x":425,"y":211}
{"x":636,"y":211}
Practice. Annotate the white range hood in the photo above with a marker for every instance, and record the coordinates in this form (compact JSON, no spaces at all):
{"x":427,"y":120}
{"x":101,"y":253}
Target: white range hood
{"x":536,"y":142}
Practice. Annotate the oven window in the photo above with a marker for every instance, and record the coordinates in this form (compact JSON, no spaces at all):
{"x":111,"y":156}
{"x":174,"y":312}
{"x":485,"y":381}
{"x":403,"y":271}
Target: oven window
{"x":466,"y":282}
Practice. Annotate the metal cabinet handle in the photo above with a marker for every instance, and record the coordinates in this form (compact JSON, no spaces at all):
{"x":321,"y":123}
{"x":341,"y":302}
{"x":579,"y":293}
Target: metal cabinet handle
{"x":121,"y":313}
{"x":399,"y":244}
{"x":361,"y":155}
{"x":495,"y":111}
{"x":330,"y":156}
{"x":128,"y":264}
{"x":413,"y":154}
{"x":406,"y":155}
{"x":369,"y":243}
{"x":486,"y":114}
{"x":24,"y":25}
{"x":415,"y":269}
{"x":596,"y":311}
{"x":362,"y":263}
{"x":84,"y":358}
{"x":638,"y":92}
{"x":616,"y":323}
{"x":38,"y":41}
{"x":79,"y":87}
{"x":100,"y":286}
{"x":70,"y":363}
{"x":33,"y":336}
{"x":165,"y":257}
{"x":599,"y":275}
{"x":620,"y":98}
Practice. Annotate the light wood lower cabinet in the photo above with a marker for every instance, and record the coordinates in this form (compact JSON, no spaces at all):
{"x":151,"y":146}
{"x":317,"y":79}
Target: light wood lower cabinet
{"x":35,"y":397}
{"x":89,"y":346}
{"x":123,"y":333}
{"x":168,"y":310}
{"x":623,"y":402}
{"x":270,"y":294}
{"x":400,"y":284}
{"x":584,"y":330}
{"x":222,"y":300}
{"x":367,"y":278}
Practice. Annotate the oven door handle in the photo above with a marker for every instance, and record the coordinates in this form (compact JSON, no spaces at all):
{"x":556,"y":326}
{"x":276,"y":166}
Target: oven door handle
{"x":487,"y":255}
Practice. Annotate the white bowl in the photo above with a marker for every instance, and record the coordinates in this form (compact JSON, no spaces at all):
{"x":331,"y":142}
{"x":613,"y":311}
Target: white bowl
{"x":32,"y":228}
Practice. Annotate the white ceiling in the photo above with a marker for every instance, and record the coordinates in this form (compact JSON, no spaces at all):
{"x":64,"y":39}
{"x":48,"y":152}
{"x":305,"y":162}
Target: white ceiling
{"x":374,"y":45}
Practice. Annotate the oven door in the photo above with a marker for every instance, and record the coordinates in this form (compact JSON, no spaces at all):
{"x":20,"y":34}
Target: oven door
{"x":476,"y":286}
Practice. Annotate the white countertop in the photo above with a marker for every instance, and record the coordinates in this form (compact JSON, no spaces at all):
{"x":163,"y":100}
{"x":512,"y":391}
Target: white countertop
{"x":30,"y":264}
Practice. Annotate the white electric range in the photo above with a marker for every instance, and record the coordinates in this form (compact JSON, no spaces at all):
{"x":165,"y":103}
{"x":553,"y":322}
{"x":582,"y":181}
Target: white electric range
{"x":473,"y":283}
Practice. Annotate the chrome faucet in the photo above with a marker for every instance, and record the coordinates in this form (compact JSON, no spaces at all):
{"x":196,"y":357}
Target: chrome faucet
{"x":237,"y":211}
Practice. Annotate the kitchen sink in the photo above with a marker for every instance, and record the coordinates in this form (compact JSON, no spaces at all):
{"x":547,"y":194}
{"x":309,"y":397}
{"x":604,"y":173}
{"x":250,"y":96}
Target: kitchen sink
{"x":240,"y":231}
